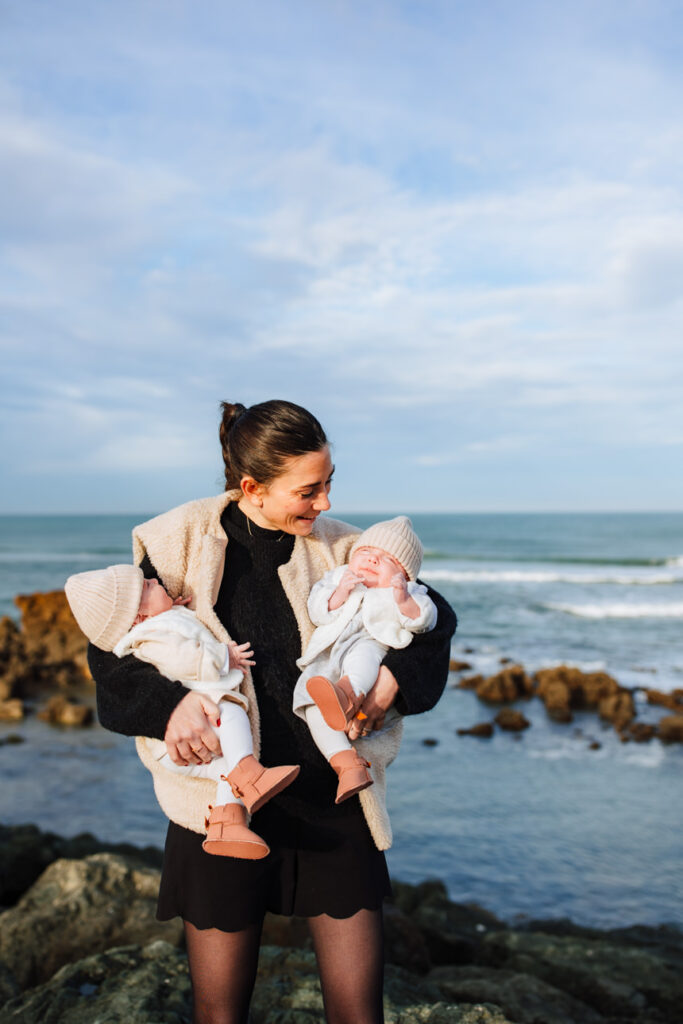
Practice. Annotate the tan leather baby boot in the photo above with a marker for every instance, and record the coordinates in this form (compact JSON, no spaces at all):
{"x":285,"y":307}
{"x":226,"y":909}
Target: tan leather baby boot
{"x":336,"y":701}
{"x":228,"y":835}
{"x":255,"y":785}
{"x":353,"y":773}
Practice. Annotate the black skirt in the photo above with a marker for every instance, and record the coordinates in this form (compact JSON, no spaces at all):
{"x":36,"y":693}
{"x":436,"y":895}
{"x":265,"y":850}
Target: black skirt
{"x":329,"y":866}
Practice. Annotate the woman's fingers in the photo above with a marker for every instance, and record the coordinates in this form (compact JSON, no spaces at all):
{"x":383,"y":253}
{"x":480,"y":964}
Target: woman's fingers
{"x":190,"y":738}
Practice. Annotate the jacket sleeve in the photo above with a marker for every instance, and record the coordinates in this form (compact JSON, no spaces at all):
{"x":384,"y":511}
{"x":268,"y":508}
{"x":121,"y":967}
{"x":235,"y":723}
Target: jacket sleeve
{"x":421,"y":669}
{"x":133,"y":698}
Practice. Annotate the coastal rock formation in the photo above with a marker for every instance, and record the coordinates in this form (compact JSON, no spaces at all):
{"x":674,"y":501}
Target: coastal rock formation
{"x":484,"y":729}
{"x":619,"y":709}
{"x":511,"y":720}
{"x":507,"y":685}
{"x":90,"y":922}
{"x":11,"y":710}
{"x":670,"y":729}
{"x":673,"y":701}
{"x":48,"y":650}
{"x":60,"y":711}
{"x":78,"y":907}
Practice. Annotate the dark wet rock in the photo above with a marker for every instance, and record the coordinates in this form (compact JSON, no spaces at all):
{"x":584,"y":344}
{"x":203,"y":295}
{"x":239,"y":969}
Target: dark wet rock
{"x":25,"y":852}
{"x":458,"y":666}
{"x":484,"y":729}
{"x":511,"y":720}
{"x":12,"y":739}
{"x":641,"y":732}
{"x":522,"y":997}
{"x":404,"y":943}
{"x":504,"y":661}
{"x":614,"y":980}
{"x":61,"y":711}
{"x":670,"y":729}
{"x":430,"y":741}
{"x":78,"y":907}
{"x":507,"y":685}
{"x":594,"y":745}
{"x":131,"y":984}
{"x":452,"y":931}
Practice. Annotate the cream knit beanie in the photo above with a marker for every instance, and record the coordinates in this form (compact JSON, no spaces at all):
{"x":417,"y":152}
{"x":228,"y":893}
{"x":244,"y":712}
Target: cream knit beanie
{"x":398,"y":538}
{"x":105,"y":602}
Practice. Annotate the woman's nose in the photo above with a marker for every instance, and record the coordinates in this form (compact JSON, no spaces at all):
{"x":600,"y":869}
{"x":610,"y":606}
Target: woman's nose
{"x":322,"y":503}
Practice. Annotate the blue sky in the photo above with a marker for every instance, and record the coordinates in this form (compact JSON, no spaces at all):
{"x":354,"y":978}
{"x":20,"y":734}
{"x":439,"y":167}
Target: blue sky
{"x":453,"y":230}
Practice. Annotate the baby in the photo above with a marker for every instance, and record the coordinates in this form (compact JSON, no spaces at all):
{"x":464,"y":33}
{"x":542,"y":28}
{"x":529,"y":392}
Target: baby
{"x":120,"y":611}
{"x":360,"y":610}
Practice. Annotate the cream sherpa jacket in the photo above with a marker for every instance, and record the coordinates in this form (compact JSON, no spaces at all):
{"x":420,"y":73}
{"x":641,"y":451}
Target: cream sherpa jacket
{"x":188,"y":546}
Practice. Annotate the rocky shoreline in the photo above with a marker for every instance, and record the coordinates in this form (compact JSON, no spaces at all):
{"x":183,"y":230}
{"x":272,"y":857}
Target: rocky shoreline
{"x":79,"y":943}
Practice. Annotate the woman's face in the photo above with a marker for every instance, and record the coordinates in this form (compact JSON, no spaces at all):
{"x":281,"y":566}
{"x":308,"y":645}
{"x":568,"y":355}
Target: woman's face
{"x":294,"y":499}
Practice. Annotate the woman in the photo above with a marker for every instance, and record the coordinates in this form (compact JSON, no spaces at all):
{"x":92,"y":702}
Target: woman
{"x":248,"y":559}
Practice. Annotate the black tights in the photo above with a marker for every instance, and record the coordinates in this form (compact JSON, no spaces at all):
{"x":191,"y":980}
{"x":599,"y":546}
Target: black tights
{"x":350,"y":960}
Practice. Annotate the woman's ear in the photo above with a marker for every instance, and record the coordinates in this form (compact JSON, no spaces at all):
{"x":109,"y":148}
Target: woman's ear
{"x":252,"y":490}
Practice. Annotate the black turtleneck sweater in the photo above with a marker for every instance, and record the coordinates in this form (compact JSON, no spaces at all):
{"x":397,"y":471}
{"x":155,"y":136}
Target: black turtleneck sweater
{"x":133,"y":698}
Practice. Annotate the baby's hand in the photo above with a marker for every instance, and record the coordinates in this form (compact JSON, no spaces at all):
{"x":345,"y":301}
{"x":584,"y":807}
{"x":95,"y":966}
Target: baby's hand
{"x":349,"y":581}
{"x":400,"y":585}
{"x":240,"y":655}
{"x":181,"y":600}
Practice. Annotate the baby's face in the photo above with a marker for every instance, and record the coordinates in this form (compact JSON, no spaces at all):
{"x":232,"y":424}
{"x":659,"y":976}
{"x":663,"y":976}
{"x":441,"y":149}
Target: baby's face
{"x":375,"y":567}
{"x":154,"y":599}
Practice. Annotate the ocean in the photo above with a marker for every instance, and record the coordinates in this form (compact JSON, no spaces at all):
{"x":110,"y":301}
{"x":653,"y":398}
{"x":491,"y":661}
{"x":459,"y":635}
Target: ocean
{"x":528,"y":825}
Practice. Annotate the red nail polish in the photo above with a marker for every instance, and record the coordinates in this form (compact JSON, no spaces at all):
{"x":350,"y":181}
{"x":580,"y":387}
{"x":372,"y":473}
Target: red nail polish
{"x":218,"y":722}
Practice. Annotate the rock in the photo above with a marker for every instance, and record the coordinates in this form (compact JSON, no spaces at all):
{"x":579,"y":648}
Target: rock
{"x":619,"y":709}
{"x":452,"y":932}
{"x":81,"y":906}
{"x":507,"y":685}
{"x":557,"y":697}
{"x":288,"y":992}
{"x":614,"y":980}
{"x":60,"y":711}
{"x":511,"y":720}
{"x":522,"y":997}
{"x":285,"y":931}
{"x":504,"y":661}
{"x":12,"y":654}
{"x":49,"y":630}
{"x":586,"y":689}
{"x":642,"y":732}
{"x":12,"y":739}
{"x":429,"y":741}
{"x":11,"y":710}
{"x":484,"y":729}
{"x":469,"y":683}
{"x":458,"y":666}
{"x":670,"y":729}
{"x":404,"y":943}
{"x":131,"y":984}
{"x":594,"y":745}
{"x":665,"y":700}
{"x":25,"y":852}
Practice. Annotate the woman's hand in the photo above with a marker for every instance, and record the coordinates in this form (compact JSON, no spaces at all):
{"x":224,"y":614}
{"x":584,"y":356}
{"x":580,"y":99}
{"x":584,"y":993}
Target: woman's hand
{"x":375,"y":706}
{"x":189,"y":737}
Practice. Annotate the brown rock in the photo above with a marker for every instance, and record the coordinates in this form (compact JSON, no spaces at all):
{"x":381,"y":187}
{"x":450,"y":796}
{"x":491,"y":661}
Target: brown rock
{"x":556,"y":696}
{"x":484,"y":729}
{"x":642,"y":732}
{"x":507,"y":685}
{"x":511,"y":720}
{"x":665,"y":700}
{"x":48,"y":628}
{"x":618,"y":709}
{"x":11,"y":710}
{"x":670,"y":729}
{"x":11,"y":656}
{"x":458,"y":666}
{"x":469,"y":683}
{"x":586,"y":689}
{"x":60,"y":711}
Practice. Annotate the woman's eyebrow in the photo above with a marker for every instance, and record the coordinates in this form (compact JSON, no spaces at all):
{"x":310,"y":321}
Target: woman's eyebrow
{"x":317,"y":483}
